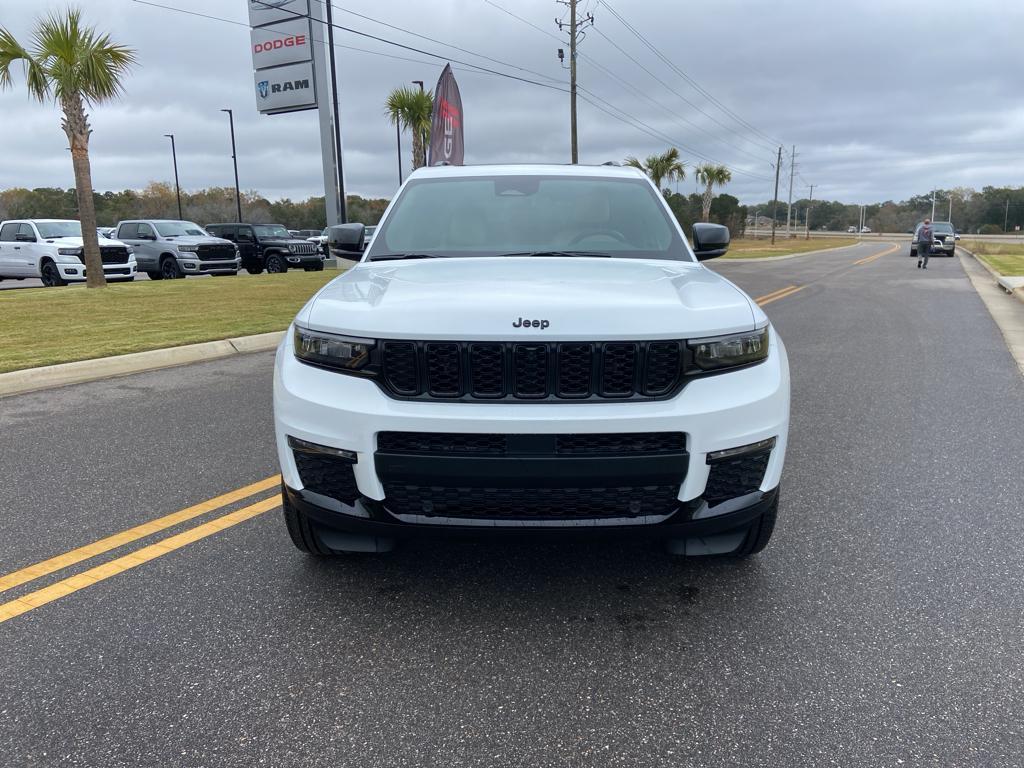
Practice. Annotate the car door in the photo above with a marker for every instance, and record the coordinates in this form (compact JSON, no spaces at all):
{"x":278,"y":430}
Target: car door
{"x":27,"y":251}
{"x":8,"y":241}
{"x":245,"y":239}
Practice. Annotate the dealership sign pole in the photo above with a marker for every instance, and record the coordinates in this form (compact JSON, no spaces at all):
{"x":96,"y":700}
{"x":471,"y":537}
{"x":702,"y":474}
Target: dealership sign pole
{"x":290,"y":75}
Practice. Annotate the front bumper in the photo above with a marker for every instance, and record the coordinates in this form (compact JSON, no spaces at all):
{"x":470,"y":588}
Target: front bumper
{"x":194,"y":266}
{"x":112,"y":272}
{"x":304,"y":260}
{"x":716,"y":413}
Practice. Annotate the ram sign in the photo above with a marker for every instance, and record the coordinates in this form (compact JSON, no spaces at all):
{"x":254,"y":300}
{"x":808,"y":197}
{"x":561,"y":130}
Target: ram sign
{"x":284,"y":43}
{"x":285,"y":89}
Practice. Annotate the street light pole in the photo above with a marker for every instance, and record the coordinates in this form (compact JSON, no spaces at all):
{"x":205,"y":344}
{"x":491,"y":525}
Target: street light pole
{"x":234,"y":159}
{"x":933,"y":205}
{"x":177,"y":187}
{"x":423,"y":138}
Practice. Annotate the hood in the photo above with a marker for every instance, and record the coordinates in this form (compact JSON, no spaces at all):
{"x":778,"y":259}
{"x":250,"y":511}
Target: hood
{"x":489,"y":298}
{"x":198,"y":240}
{"x":77,"y":242}
{"x":283,"y":241}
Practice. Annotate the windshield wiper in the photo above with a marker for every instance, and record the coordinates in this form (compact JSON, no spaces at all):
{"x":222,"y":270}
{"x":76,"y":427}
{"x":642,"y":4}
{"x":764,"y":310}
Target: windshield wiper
{"x":557,"y":253}
{"x":397,"y":256}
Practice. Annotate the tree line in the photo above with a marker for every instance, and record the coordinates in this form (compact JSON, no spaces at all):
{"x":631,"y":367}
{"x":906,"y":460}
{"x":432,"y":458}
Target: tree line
{"x":204,"y":206}
{"x":984,"y":212}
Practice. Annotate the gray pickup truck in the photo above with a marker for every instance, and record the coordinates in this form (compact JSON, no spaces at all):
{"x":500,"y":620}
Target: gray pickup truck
{"x":166,"y":248}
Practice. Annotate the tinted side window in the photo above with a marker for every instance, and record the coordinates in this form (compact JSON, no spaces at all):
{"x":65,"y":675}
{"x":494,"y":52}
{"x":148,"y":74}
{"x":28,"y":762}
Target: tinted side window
{"x":7,"y":231}
{"x":127,"y":231}
{"x":245,"y":233}
{"x":26,"y":229}
{"x":145,"y":229}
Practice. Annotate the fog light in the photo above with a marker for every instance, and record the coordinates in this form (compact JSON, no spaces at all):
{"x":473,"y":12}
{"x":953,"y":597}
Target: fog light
{"x":307,"y":447}
{"x":728,"y":453}
{"x":71,"y":271}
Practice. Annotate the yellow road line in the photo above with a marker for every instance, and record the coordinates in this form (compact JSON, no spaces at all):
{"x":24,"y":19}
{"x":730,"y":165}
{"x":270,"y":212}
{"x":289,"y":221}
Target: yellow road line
{"x":31,"y":572}
{"x":780,"y":294}
{"x":769,"y":296}
{"x":100,"y":573}
{"x":873,"y":257}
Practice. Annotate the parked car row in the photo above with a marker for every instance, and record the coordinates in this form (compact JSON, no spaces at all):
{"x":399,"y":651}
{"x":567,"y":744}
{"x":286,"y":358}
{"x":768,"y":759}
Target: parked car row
{"x":52,"y":250}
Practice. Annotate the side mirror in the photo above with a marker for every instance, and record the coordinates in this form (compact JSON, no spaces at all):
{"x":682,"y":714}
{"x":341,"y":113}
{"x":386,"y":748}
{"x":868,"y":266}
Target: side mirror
{"x":24,"y":238}
{"x":709,"y":240}
{"x":347,"y":238}
{"x":143,"y":236}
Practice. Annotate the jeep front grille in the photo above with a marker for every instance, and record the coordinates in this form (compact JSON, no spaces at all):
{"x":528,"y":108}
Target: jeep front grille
{"x":532,"y":370}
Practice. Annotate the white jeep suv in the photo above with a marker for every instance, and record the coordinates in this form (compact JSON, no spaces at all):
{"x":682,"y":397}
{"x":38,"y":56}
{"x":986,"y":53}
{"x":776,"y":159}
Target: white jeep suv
{"x":531,"y":350}
{"x":53,"y":251}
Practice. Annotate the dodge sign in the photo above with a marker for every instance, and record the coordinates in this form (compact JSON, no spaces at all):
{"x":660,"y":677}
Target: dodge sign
{"x":284,"y":43}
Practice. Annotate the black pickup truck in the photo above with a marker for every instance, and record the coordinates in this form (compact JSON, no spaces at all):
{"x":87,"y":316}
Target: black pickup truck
{"x":269,"y":247}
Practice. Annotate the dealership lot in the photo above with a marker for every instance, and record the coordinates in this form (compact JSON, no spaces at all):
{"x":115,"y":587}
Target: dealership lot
{"x":882,"y":625}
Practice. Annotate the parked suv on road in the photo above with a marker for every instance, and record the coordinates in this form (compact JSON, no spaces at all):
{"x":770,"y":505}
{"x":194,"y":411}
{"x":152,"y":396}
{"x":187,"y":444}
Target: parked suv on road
{"x":167,"y":248}
{"x":531,"y":350}
{"x":943,"y":242}
{"x":270,"y":247}
{"x":53,"y":251}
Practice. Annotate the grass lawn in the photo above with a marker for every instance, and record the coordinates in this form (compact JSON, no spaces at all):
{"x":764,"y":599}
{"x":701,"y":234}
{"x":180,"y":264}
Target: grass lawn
{"x":43,"y":326}
{"x":1006,"y":258}
{"x":750,"y":248}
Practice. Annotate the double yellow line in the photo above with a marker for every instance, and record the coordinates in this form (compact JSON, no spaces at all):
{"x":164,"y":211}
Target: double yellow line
{"x":875,"y":256}
{"x":782,"y":293}
{"x":121,"y":564}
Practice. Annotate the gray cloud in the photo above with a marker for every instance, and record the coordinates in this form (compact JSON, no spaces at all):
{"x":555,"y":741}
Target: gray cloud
{"x":882,"y":99}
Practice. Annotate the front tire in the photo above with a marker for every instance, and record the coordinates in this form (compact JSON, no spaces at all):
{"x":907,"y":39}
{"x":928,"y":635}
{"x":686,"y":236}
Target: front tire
{"x":50,"y":275}
{"x":169,"y":269}
{"x":301,"y":531}
{"x":254,"y":270}
{"x":316,"y":268}
{"x":760,"y":532}
{"x":276,"y":265}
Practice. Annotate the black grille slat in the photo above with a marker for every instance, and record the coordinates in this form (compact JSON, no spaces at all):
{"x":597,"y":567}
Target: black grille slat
{"x":114,"y":254}
{"x":662,"y":367}
{"x":530,"y":369}
{"x":443,"y":370}
{"x":531,"y":503}
{"x":618,"y":370}
{"x":442,"y":442}
{"x":216,"y":252}
{"x":327,"y":475}
{"x":487,"y":370}
{"x":401,"y":371}
{"x":730,"y":478}
{"x":620,"y":443}
{"x":600,"y":444}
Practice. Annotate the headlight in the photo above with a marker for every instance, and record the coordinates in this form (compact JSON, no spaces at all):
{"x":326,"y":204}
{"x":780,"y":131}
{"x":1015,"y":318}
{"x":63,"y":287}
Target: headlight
{"x":188,"y":248}
{"x":70,"y":251}
{"x":730,"y":351}
{"x":342,"y":352}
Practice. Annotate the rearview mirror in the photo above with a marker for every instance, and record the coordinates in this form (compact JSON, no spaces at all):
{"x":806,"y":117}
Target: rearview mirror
{"x":346,"y":237}
{"x":709,"y":240}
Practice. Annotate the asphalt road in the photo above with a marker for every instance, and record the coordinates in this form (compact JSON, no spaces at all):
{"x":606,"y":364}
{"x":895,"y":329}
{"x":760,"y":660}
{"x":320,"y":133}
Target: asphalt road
{"x":882,"y":627}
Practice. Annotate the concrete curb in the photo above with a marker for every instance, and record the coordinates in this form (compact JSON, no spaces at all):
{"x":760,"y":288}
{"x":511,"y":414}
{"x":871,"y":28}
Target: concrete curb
{"x":49,"y":376}
{"x":788,"y":255}
{"x":1012,"y":285}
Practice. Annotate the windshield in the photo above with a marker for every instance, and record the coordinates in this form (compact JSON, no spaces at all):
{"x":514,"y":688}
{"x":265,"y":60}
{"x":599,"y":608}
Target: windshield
{"x":941,"y":228}
{"x":271,"y":230}
{"x":178,"y":228}
{"x":48,"y":229}
{"x":502,"y":215}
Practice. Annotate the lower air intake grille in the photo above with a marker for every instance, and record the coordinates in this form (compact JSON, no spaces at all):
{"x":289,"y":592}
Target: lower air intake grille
{"x":734,"y":477}
{"x":327,"y":475}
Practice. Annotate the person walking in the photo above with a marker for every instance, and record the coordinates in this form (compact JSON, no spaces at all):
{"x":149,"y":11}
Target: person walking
{"x":924,"y":244}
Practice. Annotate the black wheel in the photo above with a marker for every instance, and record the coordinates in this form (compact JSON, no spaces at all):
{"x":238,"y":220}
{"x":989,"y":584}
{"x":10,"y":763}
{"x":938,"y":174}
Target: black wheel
{"x":254,"y":270}
{"x":760,"y":532}
{"x":154,"y":276}
{"x":301,"y":530}
{"x":169,"y":269}
{"x":275,"y":264}
{"x":50,"y":275}
{"x":315,"y":268}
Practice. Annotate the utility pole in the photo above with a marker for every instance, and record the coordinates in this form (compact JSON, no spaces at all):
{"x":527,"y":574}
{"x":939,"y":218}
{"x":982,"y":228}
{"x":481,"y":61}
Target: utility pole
{"x":950,"y":218}
{"x":1006,"y":216}
{"x":807,"y":217}
{"x":792,"y":171}
{"x":234,"y":159}
{"x":177,"y":187}
{"x":575,"y":28}
{"x":775,"y":200}
{"x":933,"y":205}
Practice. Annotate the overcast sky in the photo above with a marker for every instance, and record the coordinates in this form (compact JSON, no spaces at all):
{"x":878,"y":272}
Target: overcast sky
{"x":882,"y":98}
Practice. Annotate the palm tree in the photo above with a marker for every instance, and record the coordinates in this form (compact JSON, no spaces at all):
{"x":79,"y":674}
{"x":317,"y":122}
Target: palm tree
{"x":712,"y":176}
{"x":666,"y":167}
{"x":412,"y":109}
{"x":77,"y":67}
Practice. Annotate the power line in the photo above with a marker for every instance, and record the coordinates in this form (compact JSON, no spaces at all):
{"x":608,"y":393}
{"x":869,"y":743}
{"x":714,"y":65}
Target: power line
{"x":693,"y":83}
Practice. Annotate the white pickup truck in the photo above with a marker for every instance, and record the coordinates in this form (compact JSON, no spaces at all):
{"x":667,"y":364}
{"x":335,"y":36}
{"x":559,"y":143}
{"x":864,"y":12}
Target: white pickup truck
{"x":52,"y":250}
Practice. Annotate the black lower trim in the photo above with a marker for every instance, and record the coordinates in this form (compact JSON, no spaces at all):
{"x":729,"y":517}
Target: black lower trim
{"x":367,"y":517}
